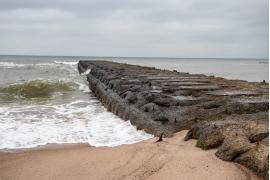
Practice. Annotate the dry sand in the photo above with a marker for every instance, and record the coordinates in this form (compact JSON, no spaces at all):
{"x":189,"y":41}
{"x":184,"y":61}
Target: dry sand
{"x":170,"y":159}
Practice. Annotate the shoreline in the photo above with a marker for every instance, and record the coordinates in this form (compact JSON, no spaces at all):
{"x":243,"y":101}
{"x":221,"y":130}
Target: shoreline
{"x":173,"y":158}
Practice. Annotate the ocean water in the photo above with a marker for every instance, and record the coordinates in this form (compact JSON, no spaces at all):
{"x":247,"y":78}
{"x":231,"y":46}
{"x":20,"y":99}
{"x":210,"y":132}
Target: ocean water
{"x":44,"y":99}
{"x":253,"y":70}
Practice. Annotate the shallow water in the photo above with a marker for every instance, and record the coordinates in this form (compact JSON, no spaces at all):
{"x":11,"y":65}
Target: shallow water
{"x":44,"y":100}
{"x":43,"y":103}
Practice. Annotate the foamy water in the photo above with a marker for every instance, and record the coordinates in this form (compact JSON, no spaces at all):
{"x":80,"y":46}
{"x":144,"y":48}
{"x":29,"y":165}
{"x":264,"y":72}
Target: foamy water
{"x":68,"y":112}
{"x":75,"y":122}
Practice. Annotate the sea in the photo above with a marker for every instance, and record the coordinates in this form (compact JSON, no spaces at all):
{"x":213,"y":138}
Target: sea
{"x":44,"y":100}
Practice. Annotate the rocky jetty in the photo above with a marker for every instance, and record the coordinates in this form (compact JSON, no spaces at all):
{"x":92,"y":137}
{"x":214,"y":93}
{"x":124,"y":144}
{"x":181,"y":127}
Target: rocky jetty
{"x":230,"y":115}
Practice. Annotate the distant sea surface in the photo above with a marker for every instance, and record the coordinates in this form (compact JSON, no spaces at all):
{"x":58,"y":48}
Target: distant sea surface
{"x":44,"y":100}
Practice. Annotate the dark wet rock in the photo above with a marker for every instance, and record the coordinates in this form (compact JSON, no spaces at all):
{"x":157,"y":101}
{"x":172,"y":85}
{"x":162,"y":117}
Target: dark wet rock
{"x":113,"y":83}
{"x":150,"y":97}
{"x":189,"y":135}
{"x":149,"y":107}
{"x":168,"y":90}
{"x":230,"y":115}
{"x":195,"y":131}
{"x":186,"y":102}
{"x":212,"y":105}
{"x":163,"y":102}
{"x":162,"y":119}
{"x":183,"y":93}
{"x":131,"y":97}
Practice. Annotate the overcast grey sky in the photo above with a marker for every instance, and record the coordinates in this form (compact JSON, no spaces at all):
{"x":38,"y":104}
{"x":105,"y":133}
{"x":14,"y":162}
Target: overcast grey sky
{"x":166,"y":28}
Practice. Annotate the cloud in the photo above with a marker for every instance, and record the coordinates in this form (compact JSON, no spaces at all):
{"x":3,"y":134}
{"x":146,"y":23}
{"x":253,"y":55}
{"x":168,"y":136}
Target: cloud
{"x":23,"y":14}
{"x":173,"y":28}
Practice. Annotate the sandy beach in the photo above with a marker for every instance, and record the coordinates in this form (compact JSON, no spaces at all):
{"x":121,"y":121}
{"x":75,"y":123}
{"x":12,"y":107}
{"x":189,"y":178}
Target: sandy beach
{"x":171,"y":159}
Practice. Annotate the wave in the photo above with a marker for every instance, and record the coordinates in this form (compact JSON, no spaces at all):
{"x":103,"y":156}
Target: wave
{"x":38,"y":88}
{"x":66,"y":62}
{"x":10,"y":64}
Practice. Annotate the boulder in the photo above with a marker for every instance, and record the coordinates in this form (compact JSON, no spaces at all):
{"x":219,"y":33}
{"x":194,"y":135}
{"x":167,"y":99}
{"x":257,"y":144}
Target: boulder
{"x":257,"y":159}
{"x":231,"y":149}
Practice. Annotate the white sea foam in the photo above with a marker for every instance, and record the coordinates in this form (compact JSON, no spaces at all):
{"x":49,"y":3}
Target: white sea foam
{"x":87,"y":71}
{"x":10,"y":64}
{"x":75,"y":122}
{"x":83,"y":87}
{"x":66,"y":62}
{"x":45,"y":64}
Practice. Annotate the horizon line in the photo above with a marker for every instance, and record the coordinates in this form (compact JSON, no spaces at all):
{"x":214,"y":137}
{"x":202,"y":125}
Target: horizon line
{"x":150,"y":57}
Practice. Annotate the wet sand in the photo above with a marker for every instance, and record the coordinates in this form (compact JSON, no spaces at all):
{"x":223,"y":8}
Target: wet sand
{"x":171,"y":159}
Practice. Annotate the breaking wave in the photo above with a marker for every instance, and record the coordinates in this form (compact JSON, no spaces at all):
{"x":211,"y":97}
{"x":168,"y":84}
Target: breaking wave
{"x":38,"y":88}
{"x":66,"y":62}
{"x":10,"y":64}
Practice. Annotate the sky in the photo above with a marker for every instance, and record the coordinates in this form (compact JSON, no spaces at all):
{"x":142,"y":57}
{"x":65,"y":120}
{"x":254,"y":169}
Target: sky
{"x":136,"y":28}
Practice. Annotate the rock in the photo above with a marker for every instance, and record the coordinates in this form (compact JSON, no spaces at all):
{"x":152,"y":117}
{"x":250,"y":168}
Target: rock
{"x":265,"y":141}
{"x":114,"y":83}
{"x":163,"y":102}
{"x":182,"y":93}
{"x":212,"y":105}
{"x":258,"y":136}
{"x":135,"y":88}
{"x":148,"y":107}
{"x":131,"y":98}
{"x":169,"y":89}
{"x":256,"y":159}
{"x":162,"y":119}
{"x":229,"y":150}
{"x":160,"y":137}
{"x":210,"y":138}
{"x":186,"y":102}
{"x":149,"y":97}
{"x":189,"y":135}
{"x":195,"y":131}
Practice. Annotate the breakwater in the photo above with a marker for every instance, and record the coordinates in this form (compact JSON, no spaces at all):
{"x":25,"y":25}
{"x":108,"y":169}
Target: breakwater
{"x":230,"y":115}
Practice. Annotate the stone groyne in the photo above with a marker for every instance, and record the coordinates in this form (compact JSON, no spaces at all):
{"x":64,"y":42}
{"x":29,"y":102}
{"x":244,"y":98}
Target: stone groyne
{"x":230,"y":115}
